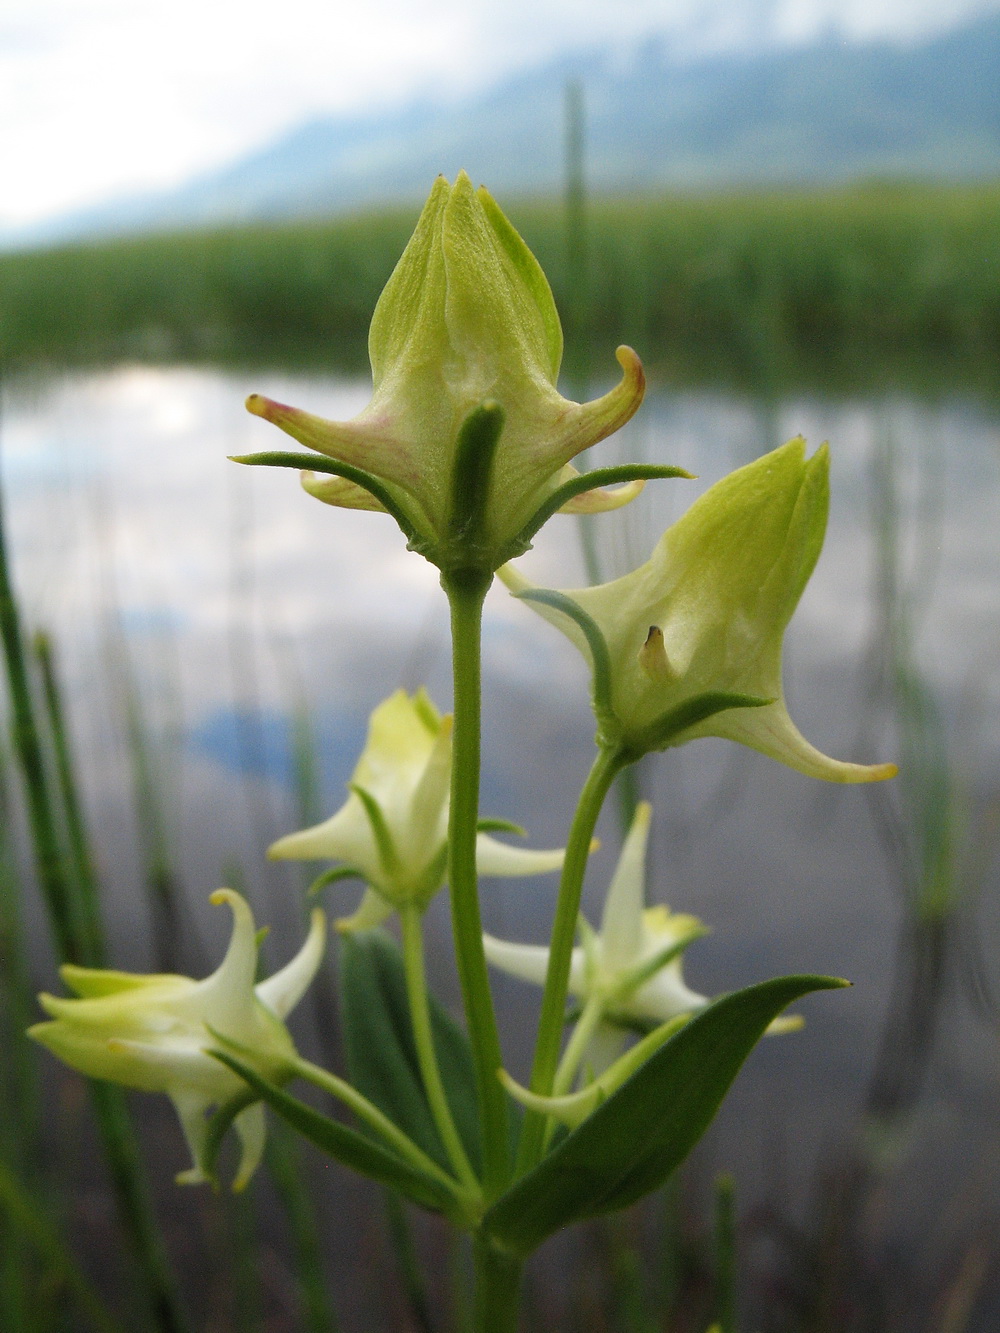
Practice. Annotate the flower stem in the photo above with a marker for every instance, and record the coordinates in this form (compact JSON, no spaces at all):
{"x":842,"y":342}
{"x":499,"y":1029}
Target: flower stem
{"x":423,"y":1037}
{"x":465,"y":595}
{"x":550,"y":1024}
{"x":593,"y":1012}
{"x":371,"y":1115}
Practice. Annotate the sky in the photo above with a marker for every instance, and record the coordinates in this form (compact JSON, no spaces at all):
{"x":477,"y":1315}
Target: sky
{"x":101,"y":98}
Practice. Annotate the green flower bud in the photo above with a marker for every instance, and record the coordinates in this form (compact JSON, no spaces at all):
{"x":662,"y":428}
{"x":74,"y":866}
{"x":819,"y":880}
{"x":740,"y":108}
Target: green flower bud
{"x":152,"y":1032}
{"x":466,"y":440}
{"x":392,"y":831}
{"x":689,"y":644}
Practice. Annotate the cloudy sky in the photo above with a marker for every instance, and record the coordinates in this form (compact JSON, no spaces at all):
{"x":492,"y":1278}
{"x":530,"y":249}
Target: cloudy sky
{"x":103,"y":97}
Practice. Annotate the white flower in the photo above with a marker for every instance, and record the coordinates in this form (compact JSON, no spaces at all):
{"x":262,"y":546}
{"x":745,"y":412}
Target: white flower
{"x":628,"y":976}
{"x":634,"y":963}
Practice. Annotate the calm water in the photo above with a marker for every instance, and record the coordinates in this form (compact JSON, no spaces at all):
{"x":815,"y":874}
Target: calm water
{"x":229,"y":603}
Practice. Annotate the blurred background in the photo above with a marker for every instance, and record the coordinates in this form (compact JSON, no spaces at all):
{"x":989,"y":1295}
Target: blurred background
{"x":792,"y":211}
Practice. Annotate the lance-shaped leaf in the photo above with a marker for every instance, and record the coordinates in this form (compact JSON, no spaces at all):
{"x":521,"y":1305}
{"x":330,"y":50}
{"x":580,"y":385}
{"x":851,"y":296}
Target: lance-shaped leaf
{"x":635,"y":1139}
{"x":381,"y":1054}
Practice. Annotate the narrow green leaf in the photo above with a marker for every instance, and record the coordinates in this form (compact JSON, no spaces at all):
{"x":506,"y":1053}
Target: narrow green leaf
{"x":329,"y":877}
{"x":319,"y":463}
{"x":381,"y":1055}
{"x":488,"y":825}
{"x":21,"y":1209}
{"x":632,"y":1143}
{"x":596,"y":642}
{"x":381,"y":832}
{"x":470,"y":479}
{"x":346,"y":1145}
{"x":589,"y":481}
{"x":664,"y":731}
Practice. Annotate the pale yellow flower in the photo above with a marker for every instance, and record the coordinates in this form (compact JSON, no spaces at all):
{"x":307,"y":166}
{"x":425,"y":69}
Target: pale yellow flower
{"x":152,"y":1032}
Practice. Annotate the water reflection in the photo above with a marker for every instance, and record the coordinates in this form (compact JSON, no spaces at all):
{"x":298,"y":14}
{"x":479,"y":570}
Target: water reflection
{"x":223,"y":638}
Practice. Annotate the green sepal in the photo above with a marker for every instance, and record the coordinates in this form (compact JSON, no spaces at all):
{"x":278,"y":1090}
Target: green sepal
{"x":596,"y":642}
{"x":641,"y":974}
{"x":633,"y":1142}
{"x":661,"y":733}
{"x":218,"y":1123}
{"x":319,"y":463}
{"x":490,"y":825}
{"x":347,"y":1146}
{"x":332,"y":876}
{"x":475,"y":451}
{"x":381,"y":1054}
{"x":380,"y":829}
{"x":589,"y":481}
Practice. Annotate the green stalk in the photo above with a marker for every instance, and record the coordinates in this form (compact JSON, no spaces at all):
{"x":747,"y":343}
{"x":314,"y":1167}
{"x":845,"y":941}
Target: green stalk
{"x":243,"y":1263}
{"x":606,"y":766}
{"x":423,"y":1038}
{"x":83,"y":864}
{"x":593,"y":1012}
{"x":498,"y":1289}
{"x":725,"y":1255}
{"x":23,"y":1214}
{"x":371,"y":1115}
{"x":405,"y":1251}
{"x":74,"y":944}
{"x":466,"y":596}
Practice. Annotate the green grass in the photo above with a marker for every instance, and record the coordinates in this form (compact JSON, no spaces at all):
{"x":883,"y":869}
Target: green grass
{"x":850,"y":289}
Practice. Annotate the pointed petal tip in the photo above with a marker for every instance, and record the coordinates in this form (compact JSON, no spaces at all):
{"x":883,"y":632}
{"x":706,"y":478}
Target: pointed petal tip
{"x":259,"y":406}
{"x":279,"y":849}
{"x":230,"y":896}
{"x":633,"y":368}
{"x":859,"y":773}
{"x":271,"y":410}
{"x":601,"y":417}
{"x":192,"y":1176}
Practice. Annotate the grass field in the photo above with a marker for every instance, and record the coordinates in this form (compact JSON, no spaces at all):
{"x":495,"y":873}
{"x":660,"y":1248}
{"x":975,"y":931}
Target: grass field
{"x":849,"y":289}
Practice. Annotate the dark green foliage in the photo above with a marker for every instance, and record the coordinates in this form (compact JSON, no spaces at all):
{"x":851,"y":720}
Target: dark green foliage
{"x":381,"y":1055}
{"x":643,"y":1132}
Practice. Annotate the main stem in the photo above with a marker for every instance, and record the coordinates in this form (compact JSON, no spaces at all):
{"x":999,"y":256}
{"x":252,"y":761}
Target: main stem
{"x":498,"y":1289}
{"x":550,"y":1024}
{"x":466,"y":595}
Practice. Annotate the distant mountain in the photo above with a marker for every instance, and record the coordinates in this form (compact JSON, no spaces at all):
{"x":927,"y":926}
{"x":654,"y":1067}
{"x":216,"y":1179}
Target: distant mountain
{"x":825,"y":112}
